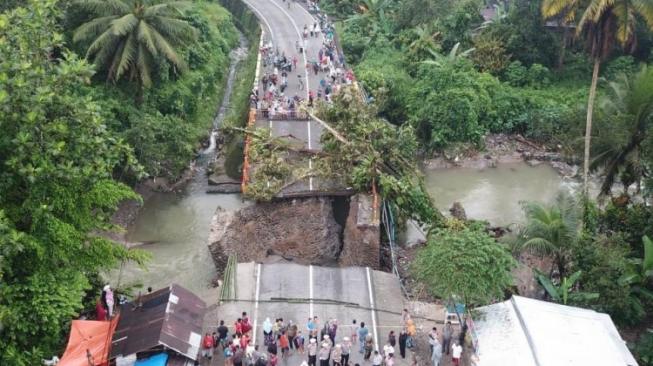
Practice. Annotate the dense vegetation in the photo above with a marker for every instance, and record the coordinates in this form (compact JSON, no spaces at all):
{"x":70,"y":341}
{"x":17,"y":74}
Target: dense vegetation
{"x":454,"y":71}
{"x":74,"y":135}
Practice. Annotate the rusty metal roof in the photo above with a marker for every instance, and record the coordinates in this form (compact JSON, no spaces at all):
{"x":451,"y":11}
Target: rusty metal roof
{"x":170,"y":317}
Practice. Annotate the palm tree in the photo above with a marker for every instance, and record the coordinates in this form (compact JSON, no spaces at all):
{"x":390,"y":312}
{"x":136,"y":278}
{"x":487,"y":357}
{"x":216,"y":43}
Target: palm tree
{"x":550,"y":230}
{"x":604,"y":23}
{"x":629,"y":106}
{"x":373,"y":14}
{"x":565,"y":11}
{"x":129,"y":37}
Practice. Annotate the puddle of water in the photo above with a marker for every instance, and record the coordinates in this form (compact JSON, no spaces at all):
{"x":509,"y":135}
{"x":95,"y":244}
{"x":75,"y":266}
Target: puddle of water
{"x":494,"y":194}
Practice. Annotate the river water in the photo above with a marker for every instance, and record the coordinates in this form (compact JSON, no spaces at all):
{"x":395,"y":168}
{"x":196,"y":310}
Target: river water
{"x":177,"y":224}
{"x":494,"y":194}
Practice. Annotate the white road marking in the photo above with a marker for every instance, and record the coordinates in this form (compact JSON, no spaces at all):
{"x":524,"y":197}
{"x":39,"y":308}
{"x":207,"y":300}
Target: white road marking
{"x":373,"y":307}
{"x":256,"y":297}
{"x":260,"y":16}
{"x":299,"y":35}
{"x":310,"y":179}
{"x":310,"y":291}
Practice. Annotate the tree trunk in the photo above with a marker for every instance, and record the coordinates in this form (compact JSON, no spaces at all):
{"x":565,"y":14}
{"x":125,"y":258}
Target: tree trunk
{"x":588,"y":126}
{"x":563,"y":47}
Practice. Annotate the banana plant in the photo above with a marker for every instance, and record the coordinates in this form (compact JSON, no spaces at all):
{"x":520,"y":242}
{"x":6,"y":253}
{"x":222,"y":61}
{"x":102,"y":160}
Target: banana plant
{"x":640,"y":274}
{"x":564,"y":292}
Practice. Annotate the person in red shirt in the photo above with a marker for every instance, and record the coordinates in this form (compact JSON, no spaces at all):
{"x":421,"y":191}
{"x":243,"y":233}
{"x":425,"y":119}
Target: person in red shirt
{"x":207,"y":346}
{"x":238,"y":325}
{"x":244,"y":341}
{"x":284,"y":344}
{"x":100,"y":311}
{"x":246,"y":326}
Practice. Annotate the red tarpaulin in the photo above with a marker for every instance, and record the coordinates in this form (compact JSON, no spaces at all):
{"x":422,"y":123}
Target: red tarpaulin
{"x":89,"y":339}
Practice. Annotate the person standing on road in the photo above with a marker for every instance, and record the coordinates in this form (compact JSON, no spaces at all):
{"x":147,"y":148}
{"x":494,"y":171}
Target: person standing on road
{"x":436,"y":354}
{"x":299,"y":342}
{"x":207,"y":346}
{"x":325,"y":354}
{"x":456,"y":353}
{"x":392,"y":338}
{"x":312,"y":352}
{"x":333,"y":328}
{"x":291,"y":333}
{"x":377,"y":360}
{"x":300,"y":82}
{"x":284,"y":344}
{"x":447,"y":334}
{"x":346,"y":350}
{"x":336,"y":355}
{"x":369,"y":345}
{"x":223,"y":333}
{"x":403,"y":337}
{"x":362,"y":333}
{"x":267,"y":332}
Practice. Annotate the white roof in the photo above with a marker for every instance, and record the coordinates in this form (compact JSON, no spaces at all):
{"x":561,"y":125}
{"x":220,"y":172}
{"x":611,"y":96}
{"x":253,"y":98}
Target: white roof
{"x":528,"y":332}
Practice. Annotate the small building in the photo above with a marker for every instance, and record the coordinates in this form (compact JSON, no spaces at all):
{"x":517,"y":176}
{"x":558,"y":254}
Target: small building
{"x":528,"y":332}
{"x":167,"y":321}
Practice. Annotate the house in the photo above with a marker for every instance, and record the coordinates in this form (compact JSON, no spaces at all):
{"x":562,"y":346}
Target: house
{"x":167,"y":321}
{"x":528,"y":332}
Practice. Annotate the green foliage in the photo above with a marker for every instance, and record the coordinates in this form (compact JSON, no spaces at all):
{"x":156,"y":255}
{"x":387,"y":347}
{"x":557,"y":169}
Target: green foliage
{"x":603,"y":260}
{"x":516,"y":74}
{"x":457,"y":26}
{"x":644,"y":348}
{"x":165,"y":128}
{"x":489,"y":55}
{"x":564,"y":292}
{"x":385,"y":78}
{"x":57,"y":161}
{"x":633,"y":221}
{"x":464,"y":263}
{"x":375,"y":153}
{"x":624,"y":123}
{"x":524,"y":36}
{"x":550,"y":230}
{"x":130,"y":39}
{"x":620,"y":65}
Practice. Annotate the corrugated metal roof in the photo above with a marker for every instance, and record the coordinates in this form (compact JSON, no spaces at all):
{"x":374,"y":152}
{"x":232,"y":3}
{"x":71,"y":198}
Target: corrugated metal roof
{"x":524,"y":331}
{"x":171,"y":317}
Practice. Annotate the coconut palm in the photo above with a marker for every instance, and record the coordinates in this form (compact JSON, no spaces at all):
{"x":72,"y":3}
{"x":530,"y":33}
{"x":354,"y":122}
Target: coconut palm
{"x":550,"y":230}
{"x":604,"y":23}
{"x":565,"y":12}
{"x":629,"y":110}
{"x":128,"y":38}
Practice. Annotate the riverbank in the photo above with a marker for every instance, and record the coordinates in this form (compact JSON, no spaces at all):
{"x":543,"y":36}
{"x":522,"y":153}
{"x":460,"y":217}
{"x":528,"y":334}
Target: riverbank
{"x":503,"y":149}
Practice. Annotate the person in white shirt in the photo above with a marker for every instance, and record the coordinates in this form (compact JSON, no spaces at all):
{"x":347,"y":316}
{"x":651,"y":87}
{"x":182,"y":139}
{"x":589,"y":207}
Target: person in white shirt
{"x":377,"y":360}
{"x":456,"y":353}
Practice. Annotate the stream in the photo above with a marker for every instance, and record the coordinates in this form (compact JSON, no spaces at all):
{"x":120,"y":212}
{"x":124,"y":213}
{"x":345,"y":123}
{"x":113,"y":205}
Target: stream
{"x":177,"y":224}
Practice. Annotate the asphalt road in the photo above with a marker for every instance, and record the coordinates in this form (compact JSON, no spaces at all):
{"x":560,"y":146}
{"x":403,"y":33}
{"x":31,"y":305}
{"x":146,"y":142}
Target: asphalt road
{"x":283,"y":27}
{"x":296,"y":292}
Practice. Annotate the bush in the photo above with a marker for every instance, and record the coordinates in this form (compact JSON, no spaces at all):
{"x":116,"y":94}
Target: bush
{"x":384,"y":77}
{"x":490,"y":55}
{"x":516,"y":74}
{"x":620,"y":65}
{"x":465,"y":263}
{"x":644,"y":348}
{"x":538,"y":76}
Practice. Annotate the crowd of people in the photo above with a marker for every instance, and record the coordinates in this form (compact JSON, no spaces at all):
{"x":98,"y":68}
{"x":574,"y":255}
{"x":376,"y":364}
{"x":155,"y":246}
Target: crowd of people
{"x":317,"y":343}
{"x":274,"y":99}
{"x":323,"y":344}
